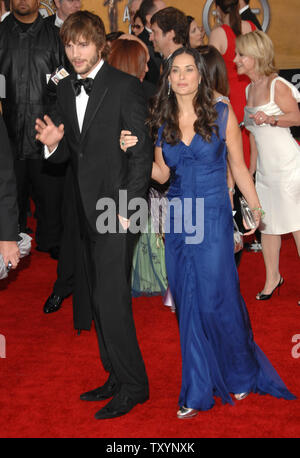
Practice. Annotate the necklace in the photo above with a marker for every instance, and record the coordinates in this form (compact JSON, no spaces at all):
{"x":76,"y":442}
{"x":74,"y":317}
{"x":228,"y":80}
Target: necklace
{"x":259,"y":80}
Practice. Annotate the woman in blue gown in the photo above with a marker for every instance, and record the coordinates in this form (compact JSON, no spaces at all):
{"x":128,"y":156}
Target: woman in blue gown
{"x":193,"y":135}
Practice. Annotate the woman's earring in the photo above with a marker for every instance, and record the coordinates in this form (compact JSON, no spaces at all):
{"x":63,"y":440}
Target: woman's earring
{"x":169,"y":89}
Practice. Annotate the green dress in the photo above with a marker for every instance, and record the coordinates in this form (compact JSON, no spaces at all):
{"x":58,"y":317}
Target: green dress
{"x":149,"y":275}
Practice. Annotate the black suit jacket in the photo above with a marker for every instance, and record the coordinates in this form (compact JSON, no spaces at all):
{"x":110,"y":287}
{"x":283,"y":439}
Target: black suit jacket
{"x":100,"y":167}
{"x":51,"y":19}
{"x":155,"y":61}
{"x":8,"y":191}
{"x":247,"y":15}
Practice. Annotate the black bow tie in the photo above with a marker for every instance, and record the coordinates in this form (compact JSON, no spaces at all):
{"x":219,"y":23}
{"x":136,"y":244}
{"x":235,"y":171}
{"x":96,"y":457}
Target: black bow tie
{"x":87,"y":83}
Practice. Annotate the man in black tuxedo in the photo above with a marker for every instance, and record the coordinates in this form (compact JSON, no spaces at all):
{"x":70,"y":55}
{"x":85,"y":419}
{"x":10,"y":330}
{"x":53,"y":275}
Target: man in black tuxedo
{"x":246,"y":13}
{"x":94,"y":106}
{"x":65,"y":283}
{"x":8,"y":202}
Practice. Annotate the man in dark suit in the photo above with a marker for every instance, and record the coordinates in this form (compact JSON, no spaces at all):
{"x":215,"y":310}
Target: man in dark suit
{"x":65,"y":283}
{"x":246,"y":13}
{"x":146,"y":11}
{"x":63,"y":9}
{"x":8,"y":203}
{"x":92,"y":115}
{"x":169,"y":27}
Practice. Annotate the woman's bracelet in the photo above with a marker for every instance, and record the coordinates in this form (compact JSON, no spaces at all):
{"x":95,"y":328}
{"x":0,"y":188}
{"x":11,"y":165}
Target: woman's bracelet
{"x":231,"y":190}
{"x":260,"y":210}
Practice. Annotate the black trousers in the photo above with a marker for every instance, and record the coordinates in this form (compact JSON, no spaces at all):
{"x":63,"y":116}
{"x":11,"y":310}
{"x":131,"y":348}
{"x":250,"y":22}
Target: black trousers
{"x":108,"y":260}
{"x":71,"y":272}
{"x":64,"y":284}
{"x":43,"y":182}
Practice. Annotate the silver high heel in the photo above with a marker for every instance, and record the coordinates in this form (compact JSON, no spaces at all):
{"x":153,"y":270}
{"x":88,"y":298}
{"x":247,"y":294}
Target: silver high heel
{"x":240,"y":396}
{"x":185,"y":412}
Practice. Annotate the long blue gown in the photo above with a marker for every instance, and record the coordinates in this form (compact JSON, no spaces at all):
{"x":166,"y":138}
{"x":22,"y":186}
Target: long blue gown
{"x":219,"y":355}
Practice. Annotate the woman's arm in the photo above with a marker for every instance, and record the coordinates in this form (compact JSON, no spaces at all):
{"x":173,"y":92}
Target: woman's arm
{"x":238,"y":167}
{"x":283,"y":97}
{"x":253,"y":155}
{"x":160,"y":171}
{"x":230,"y":184}
{"x":218,"y":39}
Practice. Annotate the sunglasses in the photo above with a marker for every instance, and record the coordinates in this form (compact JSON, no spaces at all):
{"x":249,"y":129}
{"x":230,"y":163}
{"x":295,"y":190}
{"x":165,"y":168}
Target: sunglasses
{"x":136,"y":26}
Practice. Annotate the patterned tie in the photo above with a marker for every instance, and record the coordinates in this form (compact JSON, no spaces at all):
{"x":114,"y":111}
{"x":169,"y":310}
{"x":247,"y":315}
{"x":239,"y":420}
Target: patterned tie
{"x":87,"y":83}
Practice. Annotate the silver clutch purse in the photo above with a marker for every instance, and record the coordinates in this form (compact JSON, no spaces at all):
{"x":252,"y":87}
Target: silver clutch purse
{"x":247,"y":214}
{"x":237,"y":238}
{"x":24,"y":246}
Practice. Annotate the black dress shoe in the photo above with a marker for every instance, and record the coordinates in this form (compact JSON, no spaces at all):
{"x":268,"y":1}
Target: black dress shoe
{"x":120,"y":405}
{"x":53,"y":303}
{"x":106,"y":391}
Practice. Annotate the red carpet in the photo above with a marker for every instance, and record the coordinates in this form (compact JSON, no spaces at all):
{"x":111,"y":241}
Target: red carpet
{"x":48,"y":365}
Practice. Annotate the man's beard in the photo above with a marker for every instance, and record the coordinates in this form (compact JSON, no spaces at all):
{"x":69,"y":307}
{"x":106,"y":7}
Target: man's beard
{"x":90,"y":64}
{"x":23,"y":13}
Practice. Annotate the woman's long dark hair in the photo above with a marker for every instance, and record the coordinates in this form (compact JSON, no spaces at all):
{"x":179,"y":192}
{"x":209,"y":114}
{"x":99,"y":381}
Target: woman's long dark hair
{"x":216,"y":68}
{"x":190,"y":19}
{"x":231,"y":7}
{"x":164,"y":107}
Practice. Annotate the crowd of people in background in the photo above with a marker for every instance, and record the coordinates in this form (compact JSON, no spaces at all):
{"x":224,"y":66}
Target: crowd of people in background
{"x":217,"y":116}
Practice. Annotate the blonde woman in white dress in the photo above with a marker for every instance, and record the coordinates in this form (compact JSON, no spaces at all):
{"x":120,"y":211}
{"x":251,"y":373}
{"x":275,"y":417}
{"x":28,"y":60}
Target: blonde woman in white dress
{"x":272,"y":108}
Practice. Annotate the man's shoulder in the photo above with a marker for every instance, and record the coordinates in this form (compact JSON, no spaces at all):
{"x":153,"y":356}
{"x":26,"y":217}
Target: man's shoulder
{"x":7,"y":23}
{"x":116,"y":73}
{"x":49,"y":19}
{"x":116,"y":79}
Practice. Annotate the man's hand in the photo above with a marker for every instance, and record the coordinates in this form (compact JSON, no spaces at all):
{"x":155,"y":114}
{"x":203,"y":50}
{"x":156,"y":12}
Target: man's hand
{"x":10,"y":252}
{"x":48,"y":133}
{"x":124,"y":222}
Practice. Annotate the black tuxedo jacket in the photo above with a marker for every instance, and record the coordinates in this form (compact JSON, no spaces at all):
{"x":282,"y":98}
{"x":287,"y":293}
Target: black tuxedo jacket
{"x":247,"y":15}
{"x":100,"y":167}
{"x":8,"y":191}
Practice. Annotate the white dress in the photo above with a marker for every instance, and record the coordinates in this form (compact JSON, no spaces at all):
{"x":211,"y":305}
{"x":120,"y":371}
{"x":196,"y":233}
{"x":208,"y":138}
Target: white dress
{"x":278,"y":168}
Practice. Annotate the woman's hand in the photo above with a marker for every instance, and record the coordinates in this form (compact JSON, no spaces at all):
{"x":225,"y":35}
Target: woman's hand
{"x":257,"y":218}
{"x":127,"y":140}
{"x":261,"y":118}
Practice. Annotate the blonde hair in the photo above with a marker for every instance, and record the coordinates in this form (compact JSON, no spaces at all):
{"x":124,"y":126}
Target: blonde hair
{"x":258,"y":45}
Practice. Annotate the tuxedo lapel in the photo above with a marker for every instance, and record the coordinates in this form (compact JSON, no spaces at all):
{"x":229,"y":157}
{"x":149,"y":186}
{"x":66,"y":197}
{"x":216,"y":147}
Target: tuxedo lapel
{"x":71,"y":102}
{"x":99,"y":90}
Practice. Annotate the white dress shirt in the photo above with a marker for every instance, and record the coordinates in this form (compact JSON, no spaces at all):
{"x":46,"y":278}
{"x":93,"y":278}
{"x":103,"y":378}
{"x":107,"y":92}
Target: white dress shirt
{"x":58,"y":21}
{"x":82,"y":99}
{"x":81,"y":103}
